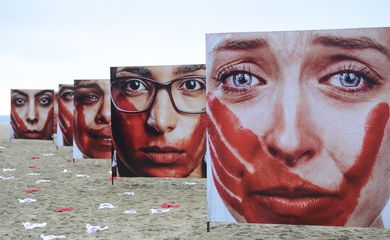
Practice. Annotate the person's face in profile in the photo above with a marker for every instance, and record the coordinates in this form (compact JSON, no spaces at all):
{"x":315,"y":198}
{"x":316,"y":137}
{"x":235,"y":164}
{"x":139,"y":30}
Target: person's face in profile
{"x":93,"y":118}
{"x":163,"y":134}
{"x":298,"y":125}
{"x":32,"y":113}
{"x":65,"y":116}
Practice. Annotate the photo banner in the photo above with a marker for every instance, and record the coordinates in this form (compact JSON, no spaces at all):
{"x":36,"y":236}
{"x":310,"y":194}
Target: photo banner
{"x":92,"y":119}
{"x":65,"y":115}
{"x":298,"y":127}
{"x":158,"y":121}
{"x":32,"y":112}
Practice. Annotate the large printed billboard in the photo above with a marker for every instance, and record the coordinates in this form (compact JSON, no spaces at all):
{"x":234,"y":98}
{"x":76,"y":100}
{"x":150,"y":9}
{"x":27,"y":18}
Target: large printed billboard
{"x":65,"y":115}
{"x":92,"y":119}
{"x":32,"y":113}
{"x":158,"y":121}
{"x":298,"y":128}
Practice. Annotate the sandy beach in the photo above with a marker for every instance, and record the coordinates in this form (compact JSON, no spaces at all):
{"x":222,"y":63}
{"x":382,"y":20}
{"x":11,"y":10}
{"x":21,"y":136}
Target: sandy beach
{"x":83,"y":185}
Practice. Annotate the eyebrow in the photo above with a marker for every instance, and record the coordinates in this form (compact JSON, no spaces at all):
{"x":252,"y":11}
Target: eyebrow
{"x":350,"y":43}
{"x":246,"y":44}
{"x":142,"y":71}
{"x":87,"y":85}
{"x":189,"y":68}
{"x":36,"y":94}
{"x":64,"y":88}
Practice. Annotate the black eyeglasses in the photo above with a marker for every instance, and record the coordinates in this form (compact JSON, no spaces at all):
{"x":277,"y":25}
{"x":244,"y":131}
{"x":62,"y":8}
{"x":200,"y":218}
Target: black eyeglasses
{"x":137,"y":94}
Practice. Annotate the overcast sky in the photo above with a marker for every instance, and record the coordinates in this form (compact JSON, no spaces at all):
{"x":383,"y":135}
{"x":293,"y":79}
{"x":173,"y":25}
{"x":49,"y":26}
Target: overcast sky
{"x":47,"y":42}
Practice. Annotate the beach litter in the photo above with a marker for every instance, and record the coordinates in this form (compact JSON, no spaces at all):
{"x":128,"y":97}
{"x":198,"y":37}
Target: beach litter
{"x":93,"y":229}
{"x":47,"y":154}
{"x":130,"y":212}
{"x":32,"y":190}
{"x":33,"y":174}
{"x":27,"y":200}
{"x":6,"y":178}
{"x":64,"y":210}
{"x":159,"y":210}
{"x":106,"y":205}
{"x":189,"y":183}
{"x":50,"y":237}
{"x":9,"y":169}
{"x":82,"y":175}
{"x":115,"y":178}
{"x":169,"y":205}
{"x":126,"y":193}
{"x":42,"y":181}
{"x":35,"y":158}
{"x":28,"y":225}
{"x":65,"y":171}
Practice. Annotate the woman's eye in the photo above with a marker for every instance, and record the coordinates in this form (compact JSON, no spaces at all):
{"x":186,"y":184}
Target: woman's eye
{"x":68,"y":95}
{"x":241,"y":80}
{"x":20,"y":101}
{"x":351,"y":81}
{"x":192,"y":85}
{"x":134,"y":85}
{"x":88,"y":99}
{"x":44,"y":101}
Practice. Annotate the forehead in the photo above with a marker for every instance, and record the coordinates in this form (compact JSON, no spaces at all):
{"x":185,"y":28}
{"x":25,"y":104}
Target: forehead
{"x":217,"y":42}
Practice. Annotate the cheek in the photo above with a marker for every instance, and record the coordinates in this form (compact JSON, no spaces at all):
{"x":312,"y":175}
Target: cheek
{"x":196,"y":132}
{"x":129,"y":127}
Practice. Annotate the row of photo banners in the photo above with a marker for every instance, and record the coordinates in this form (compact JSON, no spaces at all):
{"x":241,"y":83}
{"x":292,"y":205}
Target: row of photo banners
{"x":297,"y":124}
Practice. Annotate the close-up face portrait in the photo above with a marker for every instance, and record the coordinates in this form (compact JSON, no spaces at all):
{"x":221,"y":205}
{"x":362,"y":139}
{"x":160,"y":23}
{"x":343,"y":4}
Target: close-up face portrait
{"x":32,"y":113}
{"x":92,"y":118}
{"x":298,"y":125}
{"x":65,"y":114}
{"x":158,"y":120}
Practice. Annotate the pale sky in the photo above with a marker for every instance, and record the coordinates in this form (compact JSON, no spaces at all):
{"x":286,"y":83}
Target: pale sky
{"x":47,"y":42}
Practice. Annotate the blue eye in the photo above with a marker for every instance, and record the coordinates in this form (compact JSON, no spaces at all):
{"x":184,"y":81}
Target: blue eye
{"x":349,"y":79}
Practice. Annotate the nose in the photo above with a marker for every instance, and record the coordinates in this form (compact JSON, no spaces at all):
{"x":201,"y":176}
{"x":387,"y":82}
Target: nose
{"x":32,"y":113}
{"x":291,"y":137}
{"x":162,"y":117}
{"x":104,"y":113}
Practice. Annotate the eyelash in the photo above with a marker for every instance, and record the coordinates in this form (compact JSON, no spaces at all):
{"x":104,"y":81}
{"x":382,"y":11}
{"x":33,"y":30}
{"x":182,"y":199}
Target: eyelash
{"x":367,"y":75}
{"x":231,"y":70}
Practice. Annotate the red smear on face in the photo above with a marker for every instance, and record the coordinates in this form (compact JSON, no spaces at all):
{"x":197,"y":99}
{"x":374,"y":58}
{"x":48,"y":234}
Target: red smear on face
{"x":20,"y":128}
{"x":262,"y":189}
{"x":66,"y":123}
{"x":93,"y":143}
{"x":133,"y":128}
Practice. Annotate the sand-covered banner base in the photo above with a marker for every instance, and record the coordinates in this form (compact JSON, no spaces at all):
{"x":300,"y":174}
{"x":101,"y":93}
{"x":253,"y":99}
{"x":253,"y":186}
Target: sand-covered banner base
{"x":77,"y":193}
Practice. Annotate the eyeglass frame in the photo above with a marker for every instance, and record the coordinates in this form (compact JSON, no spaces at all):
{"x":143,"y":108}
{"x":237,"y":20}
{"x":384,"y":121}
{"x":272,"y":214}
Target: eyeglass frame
{"x":158,"y":86}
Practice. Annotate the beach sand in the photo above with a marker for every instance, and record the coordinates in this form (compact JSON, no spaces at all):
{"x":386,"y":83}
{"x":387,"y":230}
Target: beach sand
{"x":84,"y":195}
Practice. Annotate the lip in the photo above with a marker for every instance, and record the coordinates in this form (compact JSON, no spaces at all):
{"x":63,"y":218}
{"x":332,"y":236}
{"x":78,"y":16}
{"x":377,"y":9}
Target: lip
{"x":102,"y":136}
{"x":33,"y":134}
{"x":162,"y":155}
{"x":296,"y":201}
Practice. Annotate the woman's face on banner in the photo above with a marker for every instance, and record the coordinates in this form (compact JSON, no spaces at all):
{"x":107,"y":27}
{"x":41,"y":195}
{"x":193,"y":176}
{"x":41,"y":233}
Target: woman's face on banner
{"x":161,"y":141}
{"x":32,"y":113}
{"x":298,"y":125}
{"x":65,"y":106}
{"x":93,"y":118}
